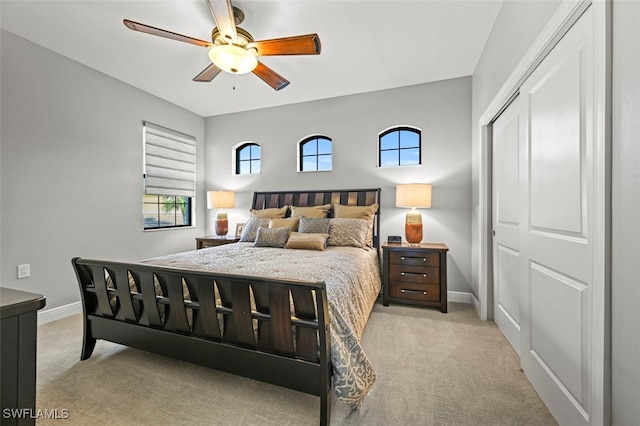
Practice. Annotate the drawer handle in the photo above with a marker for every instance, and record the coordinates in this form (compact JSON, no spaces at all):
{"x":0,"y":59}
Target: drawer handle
{"x":414,"y":291}
{"x":424,"y":259}
{"x":413,"y":273}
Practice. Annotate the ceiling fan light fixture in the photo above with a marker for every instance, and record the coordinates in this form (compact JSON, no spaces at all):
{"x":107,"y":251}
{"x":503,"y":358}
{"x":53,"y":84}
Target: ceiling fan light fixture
{"x":233,"y":59}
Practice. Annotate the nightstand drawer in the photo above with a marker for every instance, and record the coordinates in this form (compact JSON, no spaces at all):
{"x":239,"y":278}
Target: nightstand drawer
{"x":415,"y":274}
{"x":414,"y":258}
{"x":413,"y":291}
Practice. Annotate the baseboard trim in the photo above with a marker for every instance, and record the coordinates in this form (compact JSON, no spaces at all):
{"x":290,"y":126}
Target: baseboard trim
{"x":459,"y":297}
{"x":476,"y":305}
{"x":59,"y":312}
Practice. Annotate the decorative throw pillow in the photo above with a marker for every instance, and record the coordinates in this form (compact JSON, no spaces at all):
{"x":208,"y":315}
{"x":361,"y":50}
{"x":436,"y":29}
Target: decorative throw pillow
{"x":313,"y":225}
{"x":347,"y":232}
{"x":272,"y":237}
{"x":250,"y":230}
{"x":299,"y":240}
{"x":358,"y":212}
{"x":315,"y":211}
{"x":290,"y":222}
{"x":270,"y":213}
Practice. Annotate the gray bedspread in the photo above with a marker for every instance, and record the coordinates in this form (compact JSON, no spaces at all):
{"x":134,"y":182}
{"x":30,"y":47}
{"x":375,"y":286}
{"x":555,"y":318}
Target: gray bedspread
{"x":353,"y":283}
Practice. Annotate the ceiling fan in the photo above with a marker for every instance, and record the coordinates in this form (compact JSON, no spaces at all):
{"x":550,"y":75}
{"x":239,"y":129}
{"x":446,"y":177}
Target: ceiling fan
{"x":234,"y":50}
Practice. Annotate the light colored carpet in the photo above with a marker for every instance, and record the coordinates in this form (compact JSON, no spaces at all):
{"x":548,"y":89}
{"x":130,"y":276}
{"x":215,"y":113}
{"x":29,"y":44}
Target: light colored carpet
{"x":432,"y":369}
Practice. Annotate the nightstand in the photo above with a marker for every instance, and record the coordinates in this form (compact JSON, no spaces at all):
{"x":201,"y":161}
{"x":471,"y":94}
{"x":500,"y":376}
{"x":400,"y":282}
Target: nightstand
{"x":213,"y":241}
{"x":415,"y":275}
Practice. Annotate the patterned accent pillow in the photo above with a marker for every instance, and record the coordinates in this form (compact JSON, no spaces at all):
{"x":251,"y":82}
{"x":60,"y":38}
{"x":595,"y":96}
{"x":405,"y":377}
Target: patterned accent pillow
{"x":347,"y":232}
{"x":272,"y":237}
{"x":250,"y":230}
{"x":315,"y":211}
{"x":298,"y":240}
{"x":313,"y":225}
{"x":270,"y":213}
{"x":290,"y":222}
{"x":358,"y":212}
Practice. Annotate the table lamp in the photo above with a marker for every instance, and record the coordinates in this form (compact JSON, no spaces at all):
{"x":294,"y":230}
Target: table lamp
{"x":413,"y":195}
{"x":221,"y":200}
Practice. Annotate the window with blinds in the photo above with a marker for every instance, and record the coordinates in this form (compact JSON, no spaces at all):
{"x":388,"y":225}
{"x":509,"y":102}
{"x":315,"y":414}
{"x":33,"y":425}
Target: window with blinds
{"x":169,"y":177}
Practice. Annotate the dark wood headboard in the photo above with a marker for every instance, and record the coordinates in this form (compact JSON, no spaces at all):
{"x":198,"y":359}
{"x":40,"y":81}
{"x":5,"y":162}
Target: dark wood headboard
{"x":348,"y":197}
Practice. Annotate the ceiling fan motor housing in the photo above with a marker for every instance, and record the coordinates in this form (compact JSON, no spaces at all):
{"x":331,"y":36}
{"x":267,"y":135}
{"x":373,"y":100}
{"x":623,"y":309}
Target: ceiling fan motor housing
{"x":243,"y":37}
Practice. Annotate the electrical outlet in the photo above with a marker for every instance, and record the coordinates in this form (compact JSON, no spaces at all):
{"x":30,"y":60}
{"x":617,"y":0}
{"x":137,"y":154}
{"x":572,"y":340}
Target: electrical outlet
{"x":24,"y":271}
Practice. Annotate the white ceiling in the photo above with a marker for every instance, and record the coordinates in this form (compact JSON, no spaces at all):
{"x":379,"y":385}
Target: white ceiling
{"x":367,"y":45}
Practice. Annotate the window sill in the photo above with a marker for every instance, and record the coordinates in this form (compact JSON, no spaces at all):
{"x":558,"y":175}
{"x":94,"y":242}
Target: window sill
{"x":399,"y":167}
{"x":169,"y":229}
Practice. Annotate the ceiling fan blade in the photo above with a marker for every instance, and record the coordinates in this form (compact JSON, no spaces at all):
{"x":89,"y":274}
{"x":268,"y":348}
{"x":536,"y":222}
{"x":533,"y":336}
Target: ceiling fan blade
{"x":207,"y":74}
{"x":136,"y":26}
{"x":270,"y":77}
{"x":225,"y":21}
{"x":308,"y":44}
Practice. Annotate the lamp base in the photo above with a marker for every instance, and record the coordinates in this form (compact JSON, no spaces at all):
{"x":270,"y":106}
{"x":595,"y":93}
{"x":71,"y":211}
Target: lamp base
{"x":222,"y":227}
{"x":221,"y":224}
{"x":413,"y":228}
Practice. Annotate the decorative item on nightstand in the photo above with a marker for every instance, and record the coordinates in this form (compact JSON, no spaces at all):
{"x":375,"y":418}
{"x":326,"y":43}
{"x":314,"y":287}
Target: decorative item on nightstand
{"x":413,"y":195}
{"x":221,"y":200}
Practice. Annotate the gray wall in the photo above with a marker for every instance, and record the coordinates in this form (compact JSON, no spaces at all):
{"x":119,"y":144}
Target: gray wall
{"x":1,"y":109}
{"x":625,"y":351}
{"x":72,"y":169}
{"x":442,"y":110}
{"x":517,"y":26}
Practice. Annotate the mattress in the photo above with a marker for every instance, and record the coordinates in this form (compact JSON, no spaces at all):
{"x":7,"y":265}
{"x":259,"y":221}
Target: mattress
{"x":352,"y":279}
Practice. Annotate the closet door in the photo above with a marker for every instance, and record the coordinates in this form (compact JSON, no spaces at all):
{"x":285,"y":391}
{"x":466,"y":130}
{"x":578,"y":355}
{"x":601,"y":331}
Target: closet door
{"x":557,"y":230}
{"x":506,"y":221}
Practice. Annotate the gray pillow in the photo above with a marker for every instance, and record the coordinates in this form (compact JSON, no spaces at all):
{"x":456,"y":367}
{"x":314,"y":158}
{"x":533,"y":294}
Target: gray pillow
{"x":348,"y":232}
{"x":272,"y":237}
{"x":250,"y":230}
{"x":313,"y":225}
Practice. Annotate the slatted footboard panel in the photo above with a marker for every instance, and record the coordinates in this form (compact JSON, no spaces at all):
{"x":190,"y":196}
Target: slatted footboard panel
{"x":275,"y":331}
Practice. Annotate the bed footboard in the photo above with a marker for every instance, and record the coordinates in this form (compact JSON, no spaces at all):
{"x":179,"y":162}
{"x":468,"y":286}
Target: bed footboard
{"x":276,"y":331}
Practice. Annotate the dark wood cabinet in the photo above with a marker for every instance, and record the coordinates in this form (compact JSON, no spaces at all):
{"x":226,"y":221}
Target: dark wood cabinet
{"x":415,"y":275}
{"x":18,"y":338}
{"x":213,"y":241}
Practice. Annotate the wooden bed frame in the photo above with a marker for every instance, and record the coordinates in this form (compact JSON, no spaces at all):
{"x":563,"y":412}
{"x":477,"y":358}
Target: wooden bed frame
{"x":120,"y":305}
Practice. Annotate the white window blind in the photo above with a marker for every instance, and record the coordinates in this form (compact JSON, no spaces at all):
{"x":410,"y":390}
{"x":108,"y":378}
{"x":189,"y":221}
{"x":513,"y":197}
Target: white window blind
{"x":169,"y":162}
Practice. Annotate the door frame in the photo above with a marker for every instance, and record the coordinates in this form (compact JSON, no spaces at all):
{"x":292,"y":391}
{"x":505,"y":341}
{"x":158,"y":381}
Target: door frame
{"x":567,"y":14}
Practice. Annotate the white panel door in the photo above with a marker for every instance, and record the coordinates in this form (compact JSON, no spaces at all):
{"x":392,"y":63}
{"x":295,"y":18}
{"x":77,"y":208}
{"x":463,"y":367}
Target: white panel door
{"x":506,"y":222}
{"x":556,"y":237}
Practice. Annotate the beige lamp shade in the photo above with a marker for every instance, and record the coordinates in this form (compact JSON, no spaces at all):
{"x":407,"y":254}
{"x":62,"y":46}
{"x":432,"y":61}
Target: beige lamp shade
{"x":221,"y":199}
{"x":413,"y":195}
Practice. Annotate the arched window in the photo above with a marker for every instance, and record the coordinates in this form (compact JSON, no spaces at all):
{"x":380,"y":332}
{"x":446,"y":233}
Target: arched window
{"x":316,"y":154}
{"x":248,"y":159}
{"x":399,"y":146}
